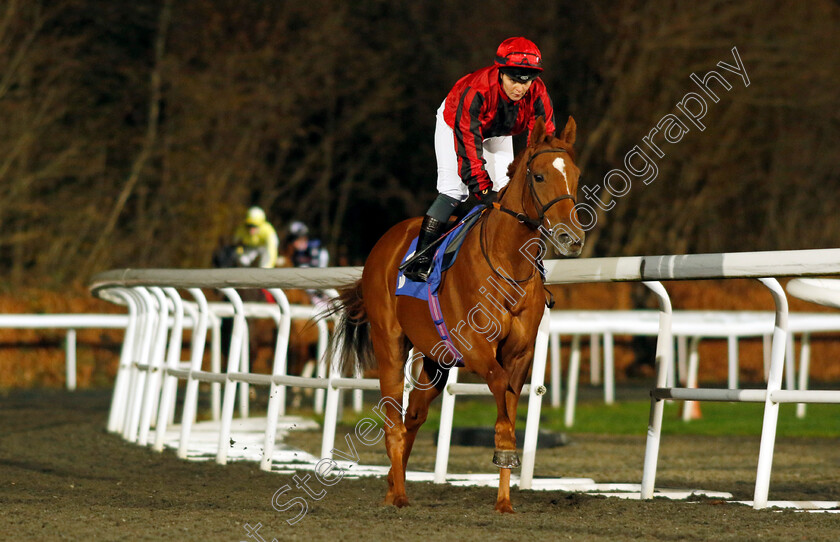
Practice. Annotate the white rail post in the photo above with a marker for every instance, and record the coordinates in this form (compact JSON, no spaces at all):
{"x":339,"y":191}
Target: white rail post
{"x":173,"y":359}
{"x":323,"y":338}
{"x":804,"y":368}
{"x":116,"y":415}
{"x":766,"y":340}
{"x":414,"y":366}
{"x":790,"y":362}
{"x":173,"y":354}
{"x":332,"y":407}
{"x":280,"y":362}
{"x":145,"y":322}
{"x":572,"y":382}
{"x":234,"y":358}
{"x":732,"y":351}
{"x":70,"y":359}
{"x":682,"y":362}
{"x":332,"y":404}
{"x":216,"y":366}
{"x":358,"y":397}
{"x":139,"y":378}
{"x":774,"y":383}
{"x":151,"y":395}
{"x":245,"y":367}
{"x":323,"y":362}
{"x":556,"y":369}
{"x":277,"y":393}
{"x":199,"y":338}
{"x":134,"y":355}
{"x":537,"y":390}
{"x":447,"y":413}
{"x":664,"y":362}
{"x":609,"y":368}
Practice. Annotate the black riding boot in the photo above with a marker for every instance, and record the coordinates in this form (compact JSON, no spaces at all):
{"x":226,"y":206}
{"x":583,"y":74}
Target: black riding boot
{"x":420,"y":268}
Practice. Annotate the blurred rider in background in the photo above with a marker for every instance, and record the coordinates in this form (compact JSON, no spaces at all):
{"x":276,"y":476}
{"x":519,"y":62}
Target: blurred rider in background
{"x":303,"y":251}
{"x":257,"y":240}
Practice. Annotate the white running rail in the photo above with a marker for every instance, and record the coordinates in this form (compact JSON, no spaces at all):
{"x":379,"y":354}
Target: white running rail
{"x":70,"y":323}
{"x":146,"y":286}
{"x":688,"y":329}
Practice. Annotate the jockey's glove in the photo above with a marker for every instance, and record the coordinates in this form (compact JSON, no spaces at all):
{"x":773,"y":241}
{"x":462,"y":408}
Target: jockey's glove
{"x":487,"y":196}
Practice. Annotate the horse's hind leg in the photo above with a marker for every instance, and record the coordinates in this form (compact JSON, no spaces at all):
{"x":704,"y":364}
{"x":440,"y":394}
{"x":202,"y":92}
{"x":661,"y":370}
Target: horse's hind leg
{"x":399,"y":435}
{"x":390,"y":355}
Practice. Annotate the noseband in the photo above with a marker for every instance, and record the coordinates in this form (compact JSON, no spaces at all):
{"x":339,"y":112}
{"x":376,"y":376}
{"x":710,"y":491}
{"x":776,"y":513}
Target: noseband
{"x":535,"y":223}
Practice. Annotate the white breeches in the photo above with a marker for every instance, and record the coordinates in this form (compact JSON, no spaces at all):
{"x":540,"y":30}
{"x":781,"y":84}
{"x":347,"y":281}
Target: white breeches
{"x":498,"y":154}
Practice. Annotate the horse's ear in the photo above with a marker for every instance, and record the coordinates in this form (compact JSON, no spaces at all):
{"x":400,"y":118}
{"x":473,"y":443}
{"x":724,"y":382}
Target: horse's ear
{"x":569,"y":132}
{"x":538,"y":133}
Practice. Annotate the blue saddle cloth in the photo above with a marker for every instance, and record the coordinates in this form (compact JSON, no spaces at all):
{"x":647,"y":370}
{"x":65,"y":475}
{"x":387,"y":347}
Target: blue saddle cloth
{"x":445,"y":255}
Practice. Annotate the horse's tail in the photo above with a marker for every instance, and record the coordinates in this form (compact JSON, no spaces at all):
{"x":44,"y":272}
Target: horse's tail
{"x":351,"y":345}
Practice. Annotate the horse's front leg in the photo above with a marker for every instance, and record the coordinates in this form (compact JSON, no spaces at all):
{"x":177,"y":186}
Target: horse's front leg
{"x":504,"y":456}
{"x":507,"y":387}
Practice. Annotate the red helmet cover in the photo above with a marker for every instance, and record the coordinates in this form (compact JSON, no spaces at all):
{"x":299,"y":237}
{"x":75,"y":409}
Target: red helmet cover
{"x":519,"y":53}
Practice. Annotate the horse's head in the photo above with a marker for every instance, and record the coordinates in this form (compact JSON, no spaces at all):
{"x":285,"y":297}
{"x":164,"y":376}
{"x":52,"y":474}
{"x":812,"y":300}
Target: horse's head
{"x":545,"y":179}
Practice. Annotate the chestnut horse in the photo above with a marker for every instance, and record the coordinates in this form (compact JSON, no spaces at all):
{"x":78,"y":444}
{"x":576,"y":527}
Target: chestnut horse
{"x":493,"y":292}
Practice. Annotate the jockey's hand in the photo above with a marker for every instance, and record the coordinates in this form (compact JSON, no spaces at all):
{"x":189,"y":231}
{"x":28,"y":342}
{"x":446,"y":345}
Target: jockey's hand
{"x":487,"y":196}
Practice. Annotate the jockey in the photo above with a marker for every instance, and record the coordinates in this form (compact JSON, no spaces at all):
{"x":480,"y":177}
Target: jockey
{"x":473,"y":142}
{"x":257,"y":233}
{"x":305,"y":252}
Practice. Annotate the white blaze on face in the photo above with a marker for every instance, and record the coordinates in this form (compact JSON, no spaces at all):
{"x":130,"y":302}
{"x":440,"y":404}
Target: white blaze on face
{"x":560,"y":165}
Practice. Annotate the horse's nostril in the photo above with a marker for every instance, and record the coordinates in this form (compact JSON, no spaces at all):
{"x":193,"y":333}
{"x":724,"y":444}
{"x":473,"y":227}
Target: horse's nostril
{"x":566,"y":239}
{"x":569,"y":245}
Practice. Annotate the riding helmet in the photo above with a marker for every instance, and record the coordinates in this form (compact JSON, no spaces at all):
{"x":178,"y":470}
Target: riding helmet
{"x":520,"y":59}
{"x":298,"y":229}
{"x":255,"y":217}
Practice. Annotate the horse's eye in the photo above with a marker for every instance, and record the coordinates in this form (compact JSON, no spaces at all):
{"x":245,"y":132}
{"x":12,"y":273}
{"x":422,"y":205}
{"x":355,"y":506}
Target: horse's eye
{"x":539,"y":178}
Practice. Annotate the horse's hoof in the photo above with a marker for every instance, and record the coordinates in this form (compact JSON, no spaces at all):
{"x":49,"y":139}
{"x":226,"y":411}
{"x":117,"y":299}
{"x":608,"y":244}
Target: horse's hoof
{"x":400,"y":501}
{"x":506,"y":459}
{"x":504,"y":508}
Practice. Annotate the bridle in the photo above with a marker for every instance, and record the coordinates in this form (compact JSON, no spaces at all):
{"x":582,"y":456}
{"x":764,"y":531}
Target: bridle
{"x":524,"y":218}
{"x":535,"y":223}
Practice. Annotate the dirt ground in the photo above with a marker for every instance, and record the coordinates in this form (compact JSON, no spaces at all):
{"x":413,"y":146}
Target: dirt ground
{"x":63,"y":477}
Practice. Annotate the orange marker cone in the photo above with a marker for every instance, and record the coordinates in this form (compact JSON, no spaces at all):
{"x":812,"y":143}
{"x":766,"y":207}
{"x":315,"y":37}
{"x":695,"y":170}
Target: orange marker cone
{"x":694,"y":412}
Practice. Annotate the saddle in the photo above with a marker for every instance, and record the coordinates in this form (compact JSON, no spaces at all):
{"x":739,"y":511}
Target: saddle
{"x":445,"y":255}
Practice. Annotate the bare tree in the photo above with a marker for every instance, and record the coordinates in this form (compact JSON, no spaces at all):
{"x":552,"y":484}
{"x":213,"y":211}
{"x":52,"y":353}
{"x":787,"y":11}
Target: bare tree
{"x":740,"y":184}
{"x":137,"y":133}
{"x":149,"y":141}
